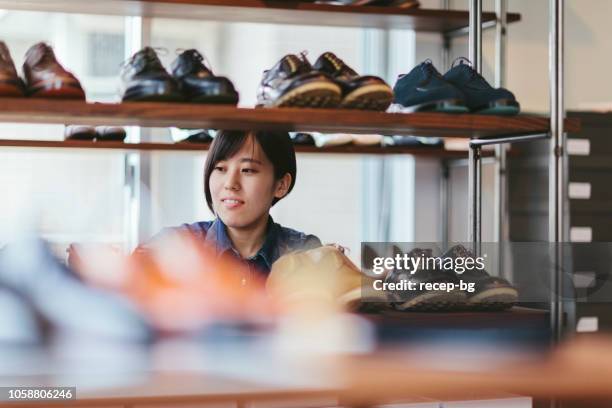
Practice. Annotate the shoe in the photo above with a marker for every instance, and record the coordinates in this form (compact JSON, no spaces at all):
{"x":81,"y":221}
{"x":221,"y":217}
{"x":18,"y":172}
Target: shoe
{"x":304,"y":139}
{"x":110,"y":134}
{"x":389,"y":3}
{"x":79,"y":132}
{"x":413,"y":141}
{"x":358,"y":92}
{"x":491,"y":293}
{"x":480,"y":97}
{"x":322,"y":278}
{"x":421,"y":299}
{"x":197,"y":82}
{"x":10,"y":83}
{"x":424,"y":89}
{"x":331,"y":139}
{"x":45,"y":77}
{"x":201,"y":136}
{"x":293,"y":82}
{"x":29,"y":269}
{"x":143,"y":78}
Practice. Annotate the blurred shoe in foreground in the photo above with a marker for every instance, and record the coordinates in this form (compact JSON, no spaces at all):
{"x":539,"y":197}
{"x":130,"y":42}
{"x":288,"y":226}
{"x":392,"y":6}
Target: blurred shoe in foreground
{"x":179,"y":283}
{"x":28,"y":269}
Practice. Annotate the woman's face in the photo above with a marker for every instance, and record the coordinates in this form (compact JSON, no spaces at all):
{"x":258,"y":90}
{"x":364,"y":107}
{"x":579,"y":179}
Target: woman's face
{"x":243,"y":186}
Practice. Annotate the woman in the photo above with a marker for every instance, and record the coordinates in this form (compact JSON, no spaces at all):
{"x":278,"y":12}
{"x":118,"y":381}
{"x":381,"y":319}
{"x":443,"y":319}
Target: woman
{"x":245,"y":174}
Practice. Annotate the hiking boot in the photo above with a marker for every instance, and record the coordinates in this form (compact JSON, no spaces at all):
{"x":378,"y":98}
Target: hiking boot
{"x":358,"y":92}
{"x":45,"y":77}
{"x":198,"y":83}
{"x":293,"y":82}
{"x":424,"y":89}
{"x":480,"y":96}
{"x":490,"y":292}
{"x":10,"y":83}
{"x":419,"y":298}
{"x":143,"y":78}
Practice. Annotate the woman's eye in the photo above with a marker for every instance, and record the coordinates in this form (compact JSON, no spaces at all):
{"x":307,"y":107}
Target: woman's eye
{"x":249,"y":171}
{"x":219,"y":168}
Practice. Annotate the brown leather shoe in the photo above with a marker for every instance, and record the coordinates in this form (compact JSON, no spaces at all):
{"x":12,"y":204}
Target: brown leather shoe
{"x":47,"y":78}
{"x":10,"y":83}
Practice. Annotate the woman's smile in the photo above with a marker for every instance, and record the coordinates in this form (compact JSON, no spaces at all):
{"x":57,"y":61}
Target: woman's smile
{"x":232,"y":203}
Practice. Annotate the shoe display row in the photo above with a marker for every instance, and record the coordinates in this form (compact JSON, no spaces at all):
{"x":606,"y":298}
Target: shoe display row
{"x":462,"y":89}
{"x":43,"y":75}
{"x":291,"y":82}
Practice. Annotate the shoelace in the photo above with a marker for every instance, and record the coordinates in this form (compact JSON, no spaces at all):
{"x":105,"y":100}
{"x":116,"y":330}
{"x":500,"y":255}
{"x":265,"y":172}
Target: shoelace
{"x":474,"y":75}
{"x":194,"y":54}
{"x":428,"y":68}
{"x":150,"y":57}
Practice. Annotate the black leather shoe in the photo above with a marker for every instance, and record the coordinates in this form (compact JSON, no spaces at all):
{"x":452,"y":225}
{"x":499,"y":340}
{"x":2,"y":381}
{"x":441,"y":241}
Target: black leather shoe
{"x":198,"y":83}
{"x":198,"y":136}
{"x":302,"y":139}
{"x":491,"y":293}
{"x":431,"y":287}
{"x":358,"y":92}
{"x":293,"y":82}
{"x":110,"y":134}
{"x":144,"y":78}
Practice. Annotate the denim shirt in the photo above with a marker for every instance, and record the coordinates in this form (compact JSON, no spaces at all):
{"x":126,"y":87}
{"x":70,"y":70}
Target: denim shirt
{"x":279,"y":241}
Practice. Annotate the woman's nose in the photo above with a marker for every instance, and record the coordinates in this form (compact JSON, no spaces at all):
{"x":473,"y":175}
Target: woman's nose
{"x":232,"y":181}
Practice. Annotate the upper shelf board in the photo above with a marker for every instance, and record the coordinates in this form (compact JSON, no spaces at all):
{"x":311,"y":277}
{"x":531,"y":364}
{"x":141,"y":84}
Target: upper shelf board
{"x":266,"y":11}
{"x":183,"y":115}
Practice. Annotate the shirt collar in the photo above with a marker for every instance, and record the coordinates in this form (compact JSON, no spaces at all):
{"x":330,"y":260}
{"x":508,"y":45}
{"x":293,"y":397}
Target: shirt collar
{"x":217,"y":236}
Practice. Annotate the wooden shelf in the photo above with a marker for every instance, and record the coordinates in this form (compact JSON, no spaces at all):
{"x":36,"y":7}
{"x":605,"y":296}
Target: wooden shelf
{"x":197,"y":147}
{"x":195,"y":116}
{"x":266,"y":11}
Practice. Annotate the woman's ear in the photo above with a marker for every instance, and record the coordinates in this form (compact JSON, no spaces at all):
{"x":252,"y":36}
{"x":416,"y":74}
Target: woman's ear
{"x":282,"y":186}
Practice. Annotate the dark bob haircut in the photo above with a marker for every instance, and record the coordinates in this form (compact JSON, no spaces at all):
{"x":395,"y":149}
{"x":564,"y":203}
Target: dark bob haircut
{"x":277,"y":147}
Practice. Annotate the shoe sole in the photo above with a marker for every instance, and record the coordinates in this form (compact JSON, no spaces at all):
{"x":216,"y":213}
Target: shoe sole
{"x":443,"y":106}
{"x":376,"y":97}
{"x":56,"y":89}
{"x":493,"y":300}
{"x":318,"y":94}
{"x":503,"y":107}
{"x":9,"y":89}
{"x":433,"y":302}
{"x":160,"y":92}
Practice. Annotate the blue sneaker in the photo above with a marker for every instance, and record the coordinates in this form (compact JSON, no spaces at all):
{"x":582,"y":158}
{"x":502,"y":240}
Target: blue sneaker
{"x":424,"y":89}
{"x":481,"y":97}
